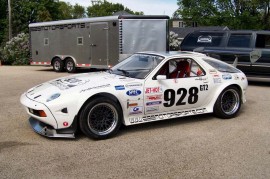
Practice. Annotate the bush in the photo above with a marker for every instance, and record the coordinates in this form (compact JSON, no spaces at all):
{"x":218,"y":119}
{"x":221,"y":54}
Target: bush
{"x":16,"y":51}
{"x":174,"y":42}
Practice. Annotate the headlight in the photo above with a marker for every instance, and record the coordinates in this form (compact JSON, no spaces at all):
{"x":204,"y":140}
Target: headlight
{"x":53,"y":97}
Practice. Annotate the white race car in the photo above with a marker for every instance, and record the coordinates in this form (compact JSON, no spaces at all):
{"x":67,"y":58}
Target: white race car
{"x":145,"y":87}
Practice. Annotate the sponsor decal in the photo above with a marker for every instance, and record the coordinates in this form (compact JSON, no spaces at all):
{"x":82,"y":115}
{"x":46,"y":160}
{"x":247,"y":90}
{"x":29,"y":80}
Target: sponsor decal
{"x":152,"y":109}
{"x":153,"y":103}
{"x":126,"y":79}
{"x":201,"y":79}
{"x":154,"y":97}
{"x":64,"y":84}
{"x":216,"y":75}
{"x":95,"y":87}
{"x":133,"y":85}
{"x":236,"y":77}
{"x":212,"y":71}
{"x":59,"y":27}
{"x":133,"y":92}
{"x":136,"y":110}
{"x":132,"y":104}
{"x":217,"y":80}
{"x":204,"y":39}
{"x":153,"y":90}
{"x":243,"y":78}
{"x":167,"y":115}
{"x":227,"y":76}
{"x":120,"y":87}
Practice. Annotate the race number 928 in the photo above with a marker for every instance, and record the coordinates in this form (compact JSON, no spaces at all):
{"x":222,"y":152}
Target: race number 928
{"x":170,"y":96}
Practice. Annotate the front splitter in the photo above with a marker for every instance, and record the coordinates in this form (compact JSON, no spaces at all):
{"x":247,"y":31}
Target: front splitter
{"x":46,"y":130}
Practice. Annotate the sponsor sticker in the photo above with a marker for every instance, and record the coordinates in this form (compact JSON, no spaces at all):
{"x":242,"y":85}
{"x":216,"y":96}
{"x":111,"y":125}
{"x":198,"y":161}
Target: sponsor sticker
{"x":212,"y":71}
{"x":153,"y":103}
{"x":236,"y":77}
{"x":120,"y":87}
{"x":154,"y":97}
{"x":153,"y":117}
{"x":133,"y":92}
{"x":217,"y":80}
{"x":68,"y":83}
{"x":152,"y":109}
{"x":227,"y":76}
{"x":153,"y":90}
{"x":136,"y":110}
{"x":133,"y":85}
{"x":132,"y":104}
{"x":95,"y":87}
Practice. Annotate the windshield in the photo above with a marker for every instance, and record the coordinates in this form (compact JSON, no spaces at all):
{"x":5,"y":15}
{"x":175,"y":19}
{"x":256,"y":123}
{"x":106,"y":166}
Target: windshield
{"x":137,"y":65}
{"x":221,"y":66}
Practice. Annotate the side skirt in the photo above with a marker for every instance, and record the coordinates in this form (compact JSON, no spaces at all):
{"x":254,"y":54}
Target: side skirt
{"x":168,"y":115}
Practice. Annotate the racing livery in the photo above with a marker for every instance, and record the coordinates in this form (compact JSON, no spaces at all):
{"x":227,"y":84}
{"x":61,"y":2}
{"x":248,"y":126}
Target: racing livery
{"x":146,"y":87}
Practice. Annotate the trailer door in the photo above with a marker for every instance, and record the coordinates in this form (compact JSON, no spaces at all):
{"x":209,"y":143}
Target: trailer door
{"x":99,"y":43}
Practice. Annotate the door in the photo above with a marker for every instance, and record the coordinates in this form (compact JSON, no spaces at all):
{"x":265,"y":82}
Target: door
{"x":99,"y":43}
{"x":186,"y":87}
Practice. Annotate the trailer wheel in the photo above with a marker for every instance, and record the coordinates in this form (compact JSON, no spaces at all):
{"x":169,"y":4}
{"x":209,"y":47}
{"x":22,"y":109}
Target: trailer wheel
{"x":70,"y":66}
{"x":58,"y":65}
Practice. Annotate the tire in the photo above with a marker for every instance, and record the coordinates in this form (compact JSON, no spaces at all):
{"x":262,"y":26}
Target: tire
{"x":58,"y":65}
{"x":101,"y":118}
{"x":228,"y":103}
{"x":70,"y":66}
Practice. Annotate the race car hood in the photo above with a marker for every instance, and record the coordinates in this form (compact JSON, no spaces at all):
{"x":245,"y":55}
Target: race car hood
{"x":76,"y":84}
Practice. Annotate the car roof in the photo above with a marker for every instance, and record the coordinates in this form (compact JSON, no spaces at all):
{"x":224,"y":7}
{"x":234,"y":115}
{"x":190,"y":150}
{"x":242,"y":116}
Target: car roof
{"x":173,"y":53}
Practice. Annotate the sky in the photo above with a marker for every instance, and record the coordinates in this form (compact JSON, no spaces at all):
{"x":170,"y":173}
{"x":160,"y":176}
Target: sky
{"x":149,"y":7}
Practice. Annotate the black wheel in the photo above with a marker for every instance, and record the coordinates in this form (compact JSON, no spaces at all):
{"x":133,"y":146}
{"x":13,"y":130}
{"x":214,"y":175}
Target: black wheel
{"x":58,"y":65}
{"x":228,"y":103}
{"x":101,"y":118}
{"x":70,"y":66}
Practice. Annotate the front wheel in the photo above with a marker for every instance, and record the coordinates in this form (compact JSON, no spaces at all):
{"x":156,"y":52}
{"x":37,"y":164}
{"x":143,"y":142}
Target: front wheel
{"x":101,"y":118}
{"x":228,"y":103}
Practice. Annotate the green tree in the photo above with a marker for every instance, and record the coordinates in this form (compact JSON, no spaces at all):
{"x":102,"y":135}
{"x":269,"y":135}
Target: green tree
{"x":203,"y":12}
{"x":105,"y":8}
{"x":3,"y":21}
{"x":78,"y":11}
{"x":237,"y":14}
{"x":65,"y":10}
{"x":25,"y":12}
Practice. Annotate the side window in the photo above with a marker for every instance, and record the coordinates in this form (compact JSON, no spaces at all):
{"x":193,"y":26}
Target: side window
{"x":263,"y":41}
{"x":239,"y":40}
{"x":46,"y":41}
{"x":80,"y":41}
{"x":204,"y":39}
{"x":181,"y":68}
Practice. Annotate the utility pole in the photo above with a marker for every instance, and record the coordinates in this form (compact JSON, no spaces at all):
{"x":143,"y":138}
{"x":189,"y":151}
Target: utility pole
{"x":9,"y":20}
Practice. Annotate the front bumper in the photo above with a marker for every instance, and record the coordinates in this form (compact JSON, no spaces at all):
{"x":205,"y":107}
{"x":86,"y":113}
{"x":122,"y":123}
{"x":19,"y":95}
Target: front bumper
{"x":46,"y":130}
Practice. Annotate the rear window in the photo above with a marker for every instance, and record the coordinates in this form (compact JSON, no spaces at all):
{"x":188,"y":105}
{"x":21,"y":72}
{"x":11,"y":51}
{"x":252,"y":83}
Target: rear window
{"x":221,"y":66}
{"x":239,"y":40}
{"x":206,"y":39}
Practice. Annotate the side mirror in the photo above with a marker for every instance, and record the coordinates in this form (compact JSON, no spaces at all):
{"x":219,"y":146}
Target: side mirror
{"x":255,"y":55}
{"x":161,"y":77}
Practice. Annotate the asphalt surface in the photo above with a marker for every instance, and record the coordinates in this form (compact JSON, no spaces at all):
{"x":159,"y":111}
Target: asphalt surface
{"x":191,"y":147}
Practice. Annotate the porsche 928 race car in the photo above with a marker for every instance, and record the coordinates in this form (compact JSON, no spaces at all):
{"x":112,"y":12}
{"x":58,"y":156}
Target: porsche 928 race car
{"x":145,"y":87}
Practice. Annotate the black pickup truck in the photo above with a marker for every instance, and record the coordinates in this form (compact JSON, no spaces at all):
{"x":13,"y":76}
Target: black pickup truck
{"x":234,"y":47}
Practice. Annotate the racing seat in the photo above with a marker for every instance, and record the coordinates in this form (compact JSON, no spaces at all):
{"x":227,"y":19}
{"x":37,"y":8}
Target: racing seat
{"x":182,"y":70}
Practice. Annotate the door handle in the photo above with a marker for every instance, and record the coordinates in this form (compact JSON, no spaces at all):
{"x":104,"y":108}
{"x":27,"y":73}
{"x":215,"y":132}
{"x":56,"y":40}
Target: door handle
{"x":93,"y":45}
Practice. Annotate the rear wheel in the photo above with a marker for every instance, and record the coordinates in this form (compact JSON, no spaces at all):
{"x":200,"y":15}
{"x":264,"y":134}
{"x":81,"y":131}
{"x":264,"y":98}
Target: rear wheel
{"x":70,"y":66}
{"x":58,"y":65}
{"x":228,"y":103}
{"x":101,"y":118}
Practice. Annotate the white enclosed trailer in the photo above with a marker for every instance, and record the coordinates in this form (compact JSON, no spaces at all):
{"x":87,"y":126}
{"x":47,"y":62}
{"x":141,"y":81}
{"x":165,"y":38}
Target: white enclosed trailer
{"x":95,"y":42}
